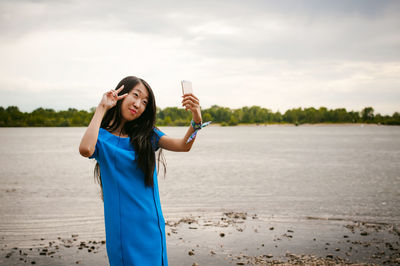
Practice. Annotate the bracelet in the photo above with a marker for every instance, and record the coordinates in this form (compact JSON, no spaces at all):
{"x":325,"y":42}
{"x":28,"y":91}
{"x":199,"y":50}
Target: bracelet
{"x":196,"y":127}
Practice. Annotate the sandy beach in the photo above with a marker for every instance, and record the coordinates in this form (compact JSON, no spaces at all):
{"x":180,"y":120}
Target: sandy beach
{"x":236,"y":238}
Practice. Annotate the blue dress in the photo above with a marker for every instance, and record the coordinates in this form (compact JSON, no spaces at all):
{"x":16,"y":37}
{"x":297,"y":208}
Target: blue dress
{"x":134,"y":223}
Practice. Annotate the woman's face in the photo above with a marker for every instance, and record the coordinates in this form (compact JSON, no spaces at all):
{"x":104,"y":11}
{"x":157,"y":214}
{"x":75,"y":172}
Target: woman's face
{"x":135,"y":103}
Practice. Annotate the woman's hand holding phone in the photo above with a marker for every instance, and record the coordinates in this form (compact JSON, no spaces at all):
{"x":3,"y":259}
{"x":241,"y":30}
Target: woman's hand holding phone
{"x":191,"y":102}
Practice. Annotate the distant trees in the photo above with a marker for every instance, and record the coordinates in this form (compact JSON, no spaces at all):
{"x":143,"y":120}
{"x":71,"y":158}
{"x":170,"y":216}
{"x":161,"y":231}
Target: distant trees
{"x":13,"y":117}
{"x":367,"y":114}
{"x":173,"y":116}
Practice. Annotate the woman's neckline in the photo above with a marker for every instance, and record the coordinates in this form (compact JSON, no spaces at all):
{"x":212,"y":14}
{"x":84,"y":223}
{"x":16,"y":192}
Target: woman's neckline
{"x":116,"y":135}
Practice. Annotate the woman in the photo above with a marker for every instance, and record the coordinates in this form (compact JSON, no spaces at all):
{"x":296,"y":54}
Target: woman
{"x":122,"y":137}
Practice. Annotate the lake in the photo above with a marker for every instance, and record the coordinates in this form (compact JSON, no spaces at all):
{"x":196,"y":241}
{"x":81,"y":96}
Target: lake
{"x":277,"y":172}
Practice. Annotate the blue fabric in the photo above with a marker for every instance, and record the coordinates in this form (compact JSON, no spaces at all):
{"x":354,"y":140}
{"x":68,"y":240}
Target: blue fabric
{"x":134,"y":223}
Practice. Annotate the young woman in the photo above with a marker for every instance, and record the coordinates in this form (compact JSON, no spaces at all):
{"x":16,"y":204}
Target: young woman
{"x":122,"y":137}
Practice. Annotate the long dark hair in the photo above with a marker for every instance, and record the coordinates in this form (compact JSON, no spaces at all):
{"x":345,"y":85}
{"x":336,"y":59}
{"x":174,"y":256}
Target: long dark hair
{"x":139,"y":130}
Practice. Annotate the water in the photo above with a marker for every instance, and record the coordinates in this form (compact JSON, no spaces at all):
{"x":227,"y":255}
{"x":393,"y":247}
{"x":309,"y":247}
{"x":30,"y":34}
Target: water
{"x":279,"y":172}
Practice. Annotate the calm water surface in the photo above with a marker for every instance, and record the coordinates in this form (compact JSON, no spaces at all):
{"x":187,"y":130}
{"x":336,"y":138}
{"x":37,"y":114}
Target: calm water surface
{"x":279,"y":172}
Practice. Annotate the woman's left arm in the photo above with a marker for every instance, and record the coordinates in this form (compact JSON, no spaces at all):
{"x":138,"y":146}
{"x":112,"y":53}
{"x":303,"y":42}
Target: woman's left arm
{"x":190,"y":102}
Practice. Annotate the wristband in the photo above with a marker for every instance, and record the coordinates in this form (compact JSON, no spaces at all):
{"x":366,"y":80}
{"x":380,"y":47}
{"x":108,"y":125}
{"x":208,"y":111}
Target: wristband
{"x":196,"y":127}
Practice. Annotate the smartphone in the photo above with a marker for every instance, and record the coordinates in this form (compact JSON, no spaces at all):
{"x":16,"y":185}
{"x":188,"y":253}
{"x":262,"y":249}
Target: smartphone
{"x":186,"y":87}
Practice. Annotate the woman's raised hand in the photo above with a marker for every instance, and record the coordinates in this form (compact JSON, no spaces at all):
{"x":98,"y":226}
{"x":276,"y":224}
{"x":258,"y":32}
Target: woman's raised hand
{"x":192,"y":103}
{"x":110,"y":98}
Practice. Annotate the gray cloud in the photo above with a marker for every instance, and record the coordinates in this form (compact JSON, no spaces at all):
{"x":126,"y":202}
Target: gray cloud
{"x":298,"y":47}
{"x":286,"y":30}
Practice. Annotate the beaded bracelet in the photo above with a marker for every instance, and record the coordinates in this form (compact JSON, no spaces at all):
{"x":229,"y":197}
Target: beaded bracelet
{"x":197,"y":127}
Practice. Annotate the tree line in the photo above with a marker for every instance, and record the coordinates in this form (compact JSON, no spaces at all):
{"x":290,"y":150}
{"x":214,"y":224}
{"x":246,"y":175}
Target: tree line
{"x":173,"y":116}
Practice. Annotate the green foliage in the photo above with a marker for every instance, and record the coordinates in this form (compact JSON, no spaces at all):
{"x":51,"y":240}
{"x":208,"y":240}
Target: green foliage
{"x":233,"y":121}
{"x":207,"y":117}
{"x":367,"y":114}
{"x":173,"y":116}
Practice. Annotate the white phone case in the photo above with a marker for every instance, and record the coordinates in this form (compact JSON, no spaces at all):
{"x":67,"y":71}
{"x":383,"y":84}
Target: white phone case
{"x":186,"y":87}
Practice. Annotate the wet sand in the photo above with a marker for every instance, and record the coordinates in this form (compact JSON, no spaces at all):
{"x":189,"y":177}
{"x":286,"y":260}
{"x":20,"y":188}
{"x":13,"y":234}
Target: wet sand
{"x":234,"y":238}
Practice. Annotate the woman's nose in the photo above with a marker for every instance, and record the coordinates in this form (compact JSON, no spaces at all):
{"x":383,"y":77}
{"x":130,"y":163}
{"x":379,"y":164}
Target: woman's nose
{"x":136,"y":103}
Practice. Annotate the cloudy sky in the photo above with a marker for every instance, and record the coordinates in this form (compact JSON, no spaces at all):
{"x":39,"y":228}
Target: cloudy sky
{"x":275,"y":54}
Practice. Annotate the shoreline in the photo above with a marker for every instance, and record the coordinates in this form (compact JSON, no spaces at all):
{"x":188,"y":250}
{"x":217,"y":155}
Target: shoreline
{"x":241,"y":125}
{"x":298,"y":125}
{"x":236,"y":238}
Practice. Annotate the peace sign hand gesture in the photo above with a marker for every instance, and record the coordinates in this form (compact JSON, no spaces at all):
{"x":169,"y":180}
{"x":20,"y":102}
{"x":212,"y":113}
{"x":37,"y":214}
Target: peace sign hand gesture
{"x":110,"y":98}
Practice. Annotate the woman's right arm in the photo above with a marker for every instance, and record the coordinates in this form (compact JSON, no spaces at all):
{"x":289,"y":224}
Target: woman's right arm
{"x":89,"y":139}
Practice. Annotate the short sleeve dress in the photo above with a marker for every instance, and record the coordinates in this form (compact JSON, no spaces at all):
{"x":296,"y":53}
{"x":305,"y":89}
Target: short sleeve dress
{"x":134,"y":223}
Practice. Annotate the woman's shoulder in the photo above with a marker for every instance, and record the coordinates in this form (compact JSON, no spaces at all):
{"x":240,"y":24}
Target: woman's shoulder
{"x":158,"y":132}
{"x":103,"y":132}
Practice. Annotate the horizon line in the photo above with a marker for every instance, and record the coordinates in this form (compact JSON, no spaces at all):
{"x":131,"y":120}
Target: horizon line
{"x":249,"y":106}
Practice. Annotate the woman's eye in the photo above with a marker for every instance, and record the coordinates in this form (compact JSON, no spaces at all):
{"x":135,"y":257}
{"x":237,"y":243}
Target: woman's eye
{"x":135,"y":94}
{"x":144,"y":102}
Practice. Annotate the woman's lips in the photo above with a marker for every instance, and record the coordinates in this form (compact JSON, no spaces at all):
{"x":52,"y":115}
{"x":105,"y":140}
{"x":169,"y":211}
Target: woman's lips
{"x":132,"y":111}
